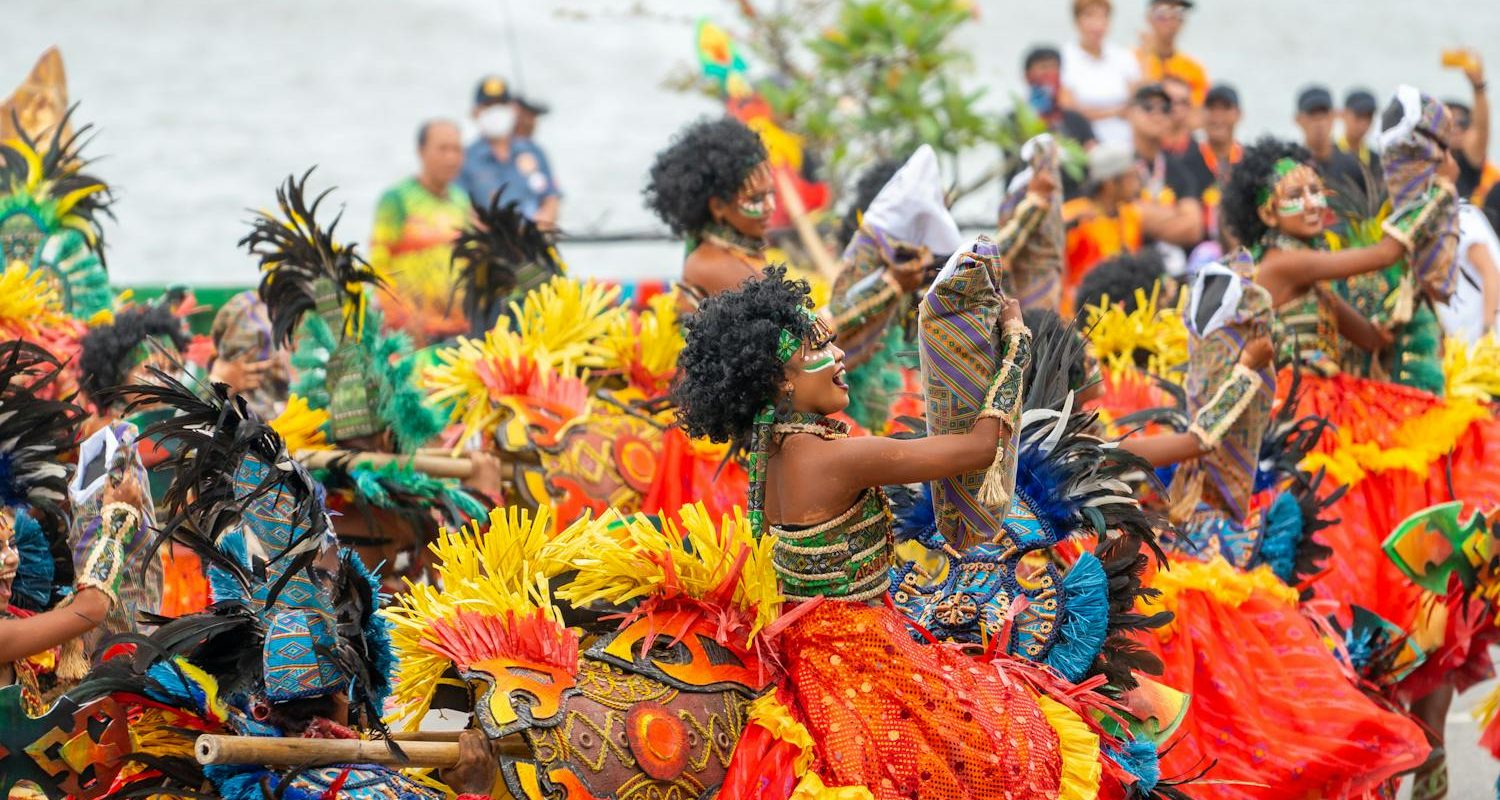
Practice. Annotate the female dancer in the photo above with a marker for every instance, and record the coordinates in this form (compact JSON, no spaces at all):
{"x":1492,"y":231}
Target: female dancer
{"x":36,"y":613}
{"x":889,"y":714}
{"x":713,"y":186}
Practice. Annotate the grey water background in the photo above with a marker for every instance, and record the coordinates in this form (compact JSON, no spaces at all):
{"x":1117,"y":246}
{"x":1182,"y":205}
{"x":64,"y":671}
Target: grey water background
{"x":202,"y":106}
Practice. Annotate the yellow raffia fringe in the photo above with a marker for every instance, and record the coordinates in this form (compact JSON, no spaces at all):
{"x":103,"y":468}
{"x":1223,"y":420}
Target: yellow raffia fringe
{"x":647,"y":343}
{"x":1217,"y":578}
{"x":300,"y":426}
{"x":768,"y":712}
{"x":29,"y":302}
{"x":466,"y":378}
{"x":811,"y":787}
{"x":1116,"y":336}
{"x":1414,"y":446}
{"x":1488,"y":708}
{"x":563,"y":320}
{"x":495,"y":572}
{"x":618,"y":559}
{"x":1472,"y":371}
{"x":1079,"y":748}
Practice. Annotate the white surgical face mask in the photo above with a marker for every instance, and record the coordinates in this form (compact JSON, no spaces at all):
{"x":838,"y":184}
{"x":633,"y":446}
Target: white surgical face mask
{"x":496,"y":122}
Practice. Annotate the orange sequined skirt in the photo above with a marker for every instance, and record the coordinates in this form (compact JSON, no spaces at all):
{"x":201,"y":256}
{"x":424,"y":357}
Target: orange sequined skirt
{"x":1270,"y":705}
{"x":906,"y":719}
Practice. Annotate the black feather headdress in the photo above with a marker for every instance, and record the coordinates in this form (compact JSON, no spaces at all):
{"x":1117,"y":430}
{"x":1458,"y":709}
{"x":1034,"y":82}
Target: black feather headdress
{"x":303,"y":268}
{"x":34,"y":432}
{"x":500,"y":254}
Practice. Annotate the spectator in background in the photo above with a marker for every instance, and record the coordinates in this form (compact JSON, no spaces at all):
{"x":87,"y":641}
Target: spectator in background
{"x":1359,"y":117}
{"x":1098,"y":76}
{"x":527,"y":113}
{"x":416,"y":222}
{"x":1471,"y":143}
{"x":1315,"y":117}
{"x":1158,"y":54}
{"x":1172,"y":213}
{"x":1218,"y":152}
{"x":501,"y":163}
{"x":1180,"y":117}
{"x":1046,"y":97}
{"x":1106,"y":221}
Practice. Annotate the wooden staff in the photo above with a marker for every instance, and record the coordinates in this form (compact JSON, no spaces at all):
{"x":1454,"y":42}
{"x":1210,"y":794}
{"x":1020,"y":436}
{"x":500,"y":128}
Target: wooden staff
{"x":806,"y":231}
{"x":434,"y":465}
{"x":424,"y":749}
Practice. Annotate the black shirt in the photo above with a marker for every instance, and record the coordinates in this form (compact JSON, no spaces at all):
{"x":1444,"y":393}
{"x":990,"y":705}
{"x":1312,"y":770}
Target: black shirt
{"x":1468,"y":174}
{"x":1342,"y":171}
{"x":1169,"y":173}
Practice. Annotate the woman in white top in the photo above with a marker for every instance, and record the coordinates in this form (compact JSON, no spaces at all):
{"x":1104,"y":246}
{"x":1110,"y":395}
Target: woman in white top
{"x":1099,"y":78}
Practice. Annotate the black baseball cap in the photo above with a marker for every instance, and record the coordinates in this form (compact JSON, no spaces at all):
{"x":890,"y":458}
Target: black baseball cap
{"x":492,"y":89}
{"x":1360,"y":101}
{"x":1182,"y":3}
{"x":534,"y":106}
{"x":1036,"y":55}
{"x":1152,"y":91}
{"x":1222,"y":94}
{"x":1314,"y":99}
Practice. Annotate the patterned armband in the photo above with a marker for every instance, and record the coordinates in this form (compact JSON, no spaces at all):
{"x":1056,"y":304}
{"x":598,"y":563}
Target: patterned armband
{"x":105,"y":567}
{"x":1004,"y":397}
{"x":1417,"y":221}
{"x":1003,"y":402}
{"x":1017,"y":230}
{"x":867,"y":300}
{"x":1229,"y":402}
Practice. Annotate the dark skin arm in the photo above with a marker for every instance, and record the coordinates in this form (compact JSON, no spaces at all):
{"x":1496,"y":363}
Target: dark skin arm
{"x":1180,"y":223}
{"x":1355,"y":327}
{"x":476,"y":771}
{"x":1286,"y":274}
{"x":21,"y":638}
{"x":715,"y":270}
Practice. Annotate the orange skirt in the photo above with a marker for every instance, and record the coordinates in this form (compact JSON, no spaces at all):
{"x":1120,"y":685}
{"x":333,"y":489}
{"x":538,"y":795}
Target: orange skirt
{"x":1270,"y":705}
{"x":906,"y":719}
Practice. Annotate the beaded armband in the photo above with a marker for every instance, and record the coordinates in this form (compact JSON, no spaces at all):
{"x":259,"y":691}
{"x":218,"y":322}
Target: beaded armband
{"x":1003,"y":402}
{"x":105,"y":567}
{"x":866,"y":300}
{"x":1220,"y":413}
{"x":1421,"y":220}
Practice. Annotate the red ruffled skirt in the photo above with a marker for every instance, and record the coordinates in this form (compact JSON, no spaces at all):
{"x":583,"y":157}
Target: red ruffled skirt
{"x":1269,"y":704}
{"x":906,"y":719}
{"x":1396,"y":448}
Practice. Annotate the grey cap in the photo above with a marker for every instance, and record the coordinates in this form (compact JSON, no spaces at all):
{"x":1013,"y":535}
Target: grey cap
{"x":1107,"y":161}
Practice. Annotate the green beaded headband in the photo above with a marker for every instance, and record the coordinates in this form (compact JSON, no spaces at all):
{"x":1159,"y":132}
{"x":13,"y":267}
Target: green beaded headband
{"x":1282,"y":168}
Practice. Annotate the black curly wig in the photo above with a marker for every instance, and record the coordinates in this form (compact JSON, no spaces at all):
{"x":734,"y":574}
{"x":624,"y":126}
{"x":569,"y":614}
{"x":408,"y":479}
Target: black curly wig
{"x":1255,"y":173}
{"x":1119,"y":277}
{"x":710,"y":158}
{"x":729,"y":371}
{"x":103,"y":362}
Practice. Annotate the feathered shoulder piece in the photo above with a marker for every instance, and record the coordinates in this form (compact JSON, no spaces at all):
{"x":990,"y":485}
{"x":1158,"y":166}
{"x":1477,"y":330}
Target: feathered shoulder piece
{"x":500,"y":254}
{"x":303,"y":268}
{"x":34,"y":432}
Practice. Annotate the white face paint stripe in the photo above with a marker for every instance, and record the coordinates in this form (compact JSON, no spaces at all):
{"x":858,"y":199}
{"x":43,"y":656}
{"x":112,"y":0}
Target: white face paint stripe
{"x":818,"y":364}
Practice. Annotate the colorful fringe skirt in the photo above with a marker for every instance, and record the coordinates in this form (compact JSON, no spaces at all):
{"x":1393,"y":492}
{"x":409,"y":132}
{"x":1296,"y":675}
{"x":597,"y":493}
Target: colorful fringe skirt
{"x":906,"y":719}
{"x":1398,"y":450}
{"x":1272,"y":711}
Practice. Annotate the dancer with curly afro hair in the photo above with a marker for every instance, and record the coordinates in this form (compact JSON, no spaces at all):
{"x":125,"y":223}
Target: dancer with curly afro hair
{"x":759,"y":370}
{"x":712,"y":185}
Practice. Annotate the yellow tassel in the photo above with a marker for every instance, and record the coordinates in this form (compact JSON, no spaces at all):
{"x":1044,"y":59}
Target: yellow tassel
{"x":1079,"y":748}
{"x":71,"y":665}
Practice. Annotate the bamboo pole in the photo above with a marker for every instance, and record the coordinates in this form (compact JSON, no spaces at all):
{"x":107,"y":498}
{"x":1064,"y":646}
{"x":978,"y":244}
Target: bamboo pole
{"x":423,"y":749}
{"x":434,"y":465}
{"x":806,"y":231}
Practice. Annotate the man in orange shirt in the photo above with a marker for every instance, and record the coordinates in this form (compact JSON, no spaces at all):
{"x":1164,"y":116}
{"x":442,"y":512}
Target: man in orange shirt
{"x":1158,"y":52}
{"x":1105,"y":222}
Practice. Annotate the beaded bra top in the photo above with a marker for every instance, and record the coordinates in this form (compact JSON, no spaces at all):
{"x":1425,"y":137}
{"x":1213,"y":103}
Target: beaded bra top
{"x":1305,"y":329}
{"x":845,"y":558}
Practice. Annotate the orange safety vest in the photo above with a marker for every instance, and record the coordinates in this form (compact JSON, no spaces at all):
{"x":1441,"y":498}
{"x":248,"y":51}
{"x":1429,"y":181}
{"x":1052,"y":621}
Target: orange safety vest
{"x":1094,"y":237}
